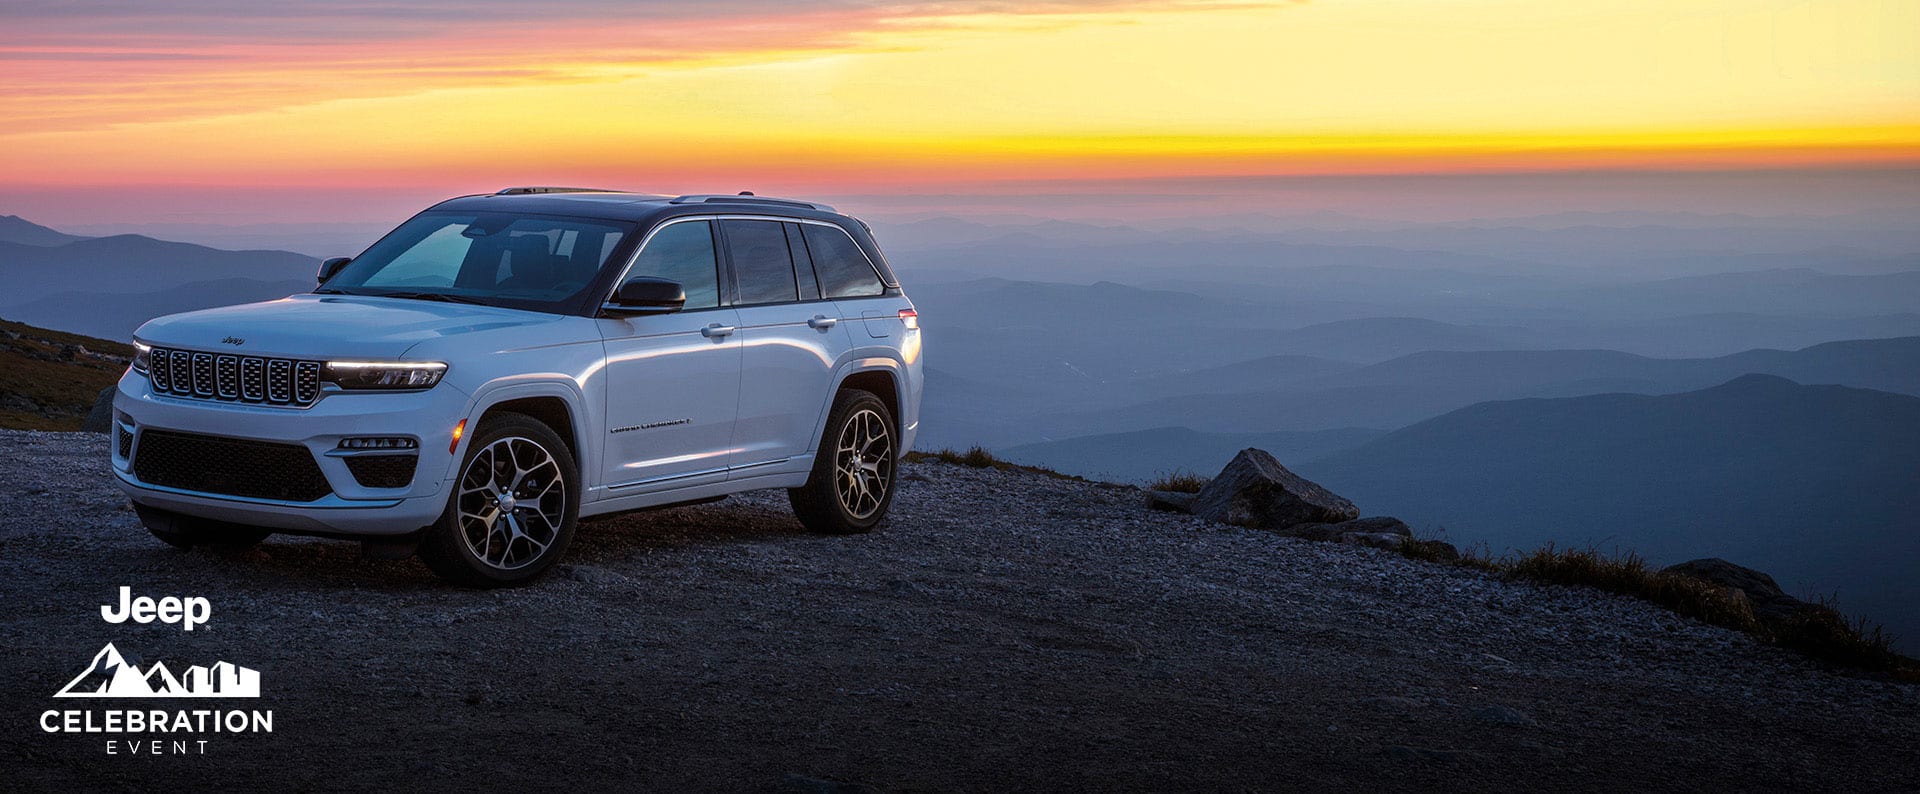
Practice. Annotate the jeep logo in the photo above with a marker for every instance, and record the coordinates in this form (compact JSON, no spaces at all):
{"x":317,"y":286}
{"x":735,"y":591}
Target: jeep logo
{"x":233,"y":340}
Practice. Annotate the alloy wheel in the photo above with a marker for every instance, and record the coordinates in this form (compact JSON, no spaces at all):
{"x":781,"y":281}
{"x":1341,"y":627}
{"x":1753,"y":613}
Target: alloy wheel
{"x":513,"y":501}
{"x":863,"y":463}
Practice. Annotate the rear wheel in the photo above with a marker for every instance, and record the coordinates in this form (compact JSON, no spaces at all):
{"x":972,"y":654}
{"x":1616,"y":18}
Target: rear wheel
{"x":853,"y":473}
{"x":183,"y":531}
{"x":513,"y":510}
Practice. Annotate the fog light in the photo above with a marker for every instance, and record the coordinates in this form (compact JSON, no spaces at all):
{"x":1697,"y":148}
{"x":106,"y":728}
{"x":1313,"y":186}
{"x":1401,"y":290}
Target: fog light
{"x":378,"y":442}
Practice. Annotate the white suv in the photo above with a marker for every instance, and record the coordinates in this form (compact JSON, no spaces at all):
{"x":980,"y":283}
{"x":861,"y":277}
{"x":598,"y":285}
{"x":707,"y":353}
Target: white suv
{"x":502,"y":365}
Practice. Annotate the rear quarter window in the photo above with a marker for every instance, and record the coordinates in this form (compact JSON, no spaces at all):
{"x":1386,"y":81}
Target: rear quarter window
{"x":841,"y":266}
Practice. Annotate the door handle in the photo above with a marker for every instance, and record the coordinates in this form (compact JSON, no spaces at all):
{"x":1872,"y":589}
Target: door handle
{"x":716,"y":330}
{"x":821,"y":321}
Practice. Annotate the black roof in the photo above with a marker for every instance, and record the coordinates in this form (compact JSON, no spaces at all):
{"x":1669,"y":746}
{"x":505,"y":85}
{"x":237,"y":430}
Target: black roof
{"x":637,"y":207}
{"x":647,"y":209}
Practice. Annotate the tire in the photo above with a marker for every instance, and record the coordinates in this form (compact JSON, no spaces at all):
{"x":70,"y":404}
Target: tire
{"x":477,"y":544}
{"x":855,"y":469}
{"x":183,"y":531}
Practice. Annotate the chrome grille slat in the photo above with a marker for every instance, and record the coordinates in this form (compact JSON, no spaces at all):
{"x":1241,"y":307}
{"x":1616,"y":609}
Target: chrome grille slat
{"x":253,"y":379}
{"x":230,"y":377}
{"x":182,"y":372}
{"x":160,"y":370}
{"x":203,"y":374}
{"x":226,"y":379}
{"x":306,"y":382}
{"x":279,"y":381}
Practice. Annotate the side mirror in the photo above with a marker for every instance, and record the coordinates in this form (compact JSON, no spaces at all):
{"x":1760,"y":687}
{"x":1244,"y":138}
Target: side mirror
{"x":647,"y":295}
{"x":331,"y":267}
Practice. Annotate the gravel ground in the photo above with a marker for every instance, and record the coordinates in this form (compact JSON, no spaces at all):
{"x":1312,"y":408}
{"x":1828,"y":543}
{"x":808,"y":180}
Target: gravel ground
{"x":1003,"y":630}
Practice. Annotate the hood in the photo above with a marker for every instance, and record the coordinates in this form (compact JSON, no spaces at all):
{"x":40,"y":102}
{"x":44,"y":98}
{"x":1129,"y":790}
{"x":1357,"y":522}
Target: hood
{"x":328,"y":326}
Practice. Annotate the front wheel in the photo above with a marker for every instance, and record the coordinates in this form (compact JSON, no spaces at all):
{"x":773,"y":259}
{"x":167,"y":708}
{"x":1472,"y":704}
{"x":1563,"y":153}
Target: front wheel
{"x":513,"y":510}
{"x":853,"y":473}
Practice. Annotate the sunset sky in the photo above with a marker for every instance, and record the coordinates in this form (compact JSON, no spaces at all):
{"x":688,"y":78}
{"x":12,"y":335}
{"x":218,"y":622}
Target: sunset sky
{"x":421,"y":100}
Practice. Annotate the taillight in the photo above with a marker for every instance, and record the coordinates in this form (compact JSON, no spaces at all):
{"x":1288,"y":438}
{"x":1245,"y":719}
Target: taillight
{"x":911,"y":318}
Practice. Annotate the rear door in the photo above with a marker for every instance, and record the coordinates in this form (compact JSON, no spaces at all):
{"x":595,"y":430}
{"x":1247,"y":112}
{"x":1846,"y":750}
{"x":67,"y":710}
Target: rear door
{"x":673,"y":380}
{"x":847,"y":277}
{"x":790,"y":341}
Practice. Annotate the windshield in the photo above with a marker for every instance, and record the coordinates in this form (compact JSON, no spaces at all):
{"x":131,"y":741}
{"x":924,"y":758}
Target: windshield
{"x":533,"y":262}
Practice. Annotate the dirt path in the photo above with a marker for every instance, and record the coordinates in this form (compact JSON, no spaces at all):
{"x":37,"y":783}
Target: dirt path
{"x":1002,"y":631}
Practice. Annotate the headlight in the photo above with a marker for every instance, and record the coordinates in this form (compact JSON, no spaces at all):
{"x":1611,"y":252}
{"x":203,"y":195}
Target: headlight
{"x":393,"y":375}
{"x":140,"y":355}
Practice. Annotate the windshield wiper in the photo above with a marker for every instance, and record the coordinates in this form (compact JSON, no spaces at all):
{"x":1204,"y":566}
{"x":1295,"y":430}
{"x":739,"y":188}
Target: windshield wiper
{"x":428,"y":296}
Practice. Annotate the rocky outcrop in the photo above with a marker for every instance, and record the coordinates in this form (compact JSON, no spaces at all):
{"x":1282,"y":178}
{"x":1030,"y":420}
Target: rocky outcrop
{"x":100,"y":419}
{"x":1375,"y":525}
{"x":1763,"y":594}
{"x":1170,"y":501}
{"x":1254,"y":490}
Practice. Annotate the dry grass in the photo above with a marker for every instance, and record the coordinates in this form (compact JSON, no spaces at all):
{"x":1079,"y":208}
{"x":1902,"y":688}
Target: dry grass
{"x":46,"y":383}
{"x":1817,"y":630}
{"x":1179,"y":482}
{"x":1630,"y":575}
{"x":980,"y":458}
{"x":1820,"y":631}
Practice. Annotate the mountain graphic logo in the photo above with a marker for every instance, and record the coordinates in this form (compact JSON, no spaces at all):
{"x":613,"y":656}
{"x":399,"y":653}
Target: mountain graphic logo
{"x":111,"y":676}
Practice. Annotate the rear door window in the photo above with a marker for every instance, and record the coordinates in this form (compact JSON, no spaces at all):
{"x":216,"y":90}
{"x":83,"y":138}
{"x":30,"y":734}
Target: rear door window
{"x":761,"y":261}
{"x":802,"y":265}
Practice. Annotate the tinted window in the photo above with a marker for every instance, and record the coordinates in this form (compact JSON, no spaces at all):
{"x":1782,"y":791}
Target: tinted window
{"x":802,"y":266}
{"x":530,"y":262}
{"x":683,"y":252}
{"x":843,"y":270}
{"x":761,"y":261}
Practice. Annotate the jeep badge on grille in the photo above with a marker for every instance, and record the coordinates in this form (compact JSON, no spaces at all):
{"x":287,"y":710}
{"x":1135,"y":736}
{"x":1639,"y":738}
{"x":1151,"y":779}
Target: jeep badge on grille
{"x":233,"y":340}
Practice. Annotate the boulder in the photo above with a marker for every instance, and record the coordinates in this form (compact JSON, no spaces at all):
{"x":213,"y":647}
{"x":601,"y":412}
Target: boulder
{"x":1375,"y":525}
{"x":1254,"y":490}
{"x":1768,"y":600}
{"x":1378,"y":540}
{"x":1170,"y":501}
{"x":100,"y":419}
{"x":1432,"y":550}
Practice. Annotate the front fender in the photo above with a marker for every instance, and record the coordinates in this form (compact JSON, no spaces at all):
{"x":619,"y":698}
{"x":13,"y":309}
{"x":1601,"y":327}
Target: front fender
{"x":535,"y":385}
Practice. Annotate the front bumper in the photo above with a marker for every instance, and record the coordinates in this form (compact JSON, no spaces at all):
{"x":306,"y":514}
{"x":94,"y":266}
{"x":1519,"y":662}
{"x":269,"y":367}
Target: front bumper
{"x":351,"y":509}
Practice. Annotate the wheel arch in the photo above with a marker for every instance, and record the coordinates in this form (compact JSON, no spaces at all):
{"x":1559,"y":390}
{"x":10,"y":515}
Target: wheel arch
{"x":880,"y":382}
{"x":557,"y":404}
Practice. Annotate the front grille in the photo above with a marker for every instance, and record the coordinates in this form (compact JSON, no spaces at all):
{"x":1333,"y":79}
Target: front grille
{"x":382,"y":471}
{"x":235,"y":467}
{"x":233,"y":378}
{"x":122,"y":439}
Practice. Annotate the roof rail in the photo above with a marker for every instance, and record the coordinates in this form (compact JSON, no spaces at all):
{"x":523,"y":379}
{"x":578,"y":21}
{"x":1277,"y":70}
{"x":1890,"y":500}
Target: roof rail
{"x":526,"y":191}
{"x":747,"y":198}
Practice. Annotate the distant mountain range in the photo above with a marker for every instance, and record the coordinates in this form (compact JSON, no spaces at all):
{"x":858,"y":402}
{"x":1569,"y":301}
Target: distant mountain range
{"x":1143,"y":455}
{"x":107,"y":286}
{"x":1411,"y":388}
{"x":15,"y":229}
{"x":1819,"y":485}
{"x":115,"y":315}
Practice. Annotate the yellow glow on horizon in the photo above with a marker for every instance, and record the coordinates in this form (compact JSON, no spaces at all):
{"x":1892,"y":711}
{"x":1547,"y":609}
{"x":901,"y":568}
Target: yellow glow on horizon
{"x":1337,"y":87}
